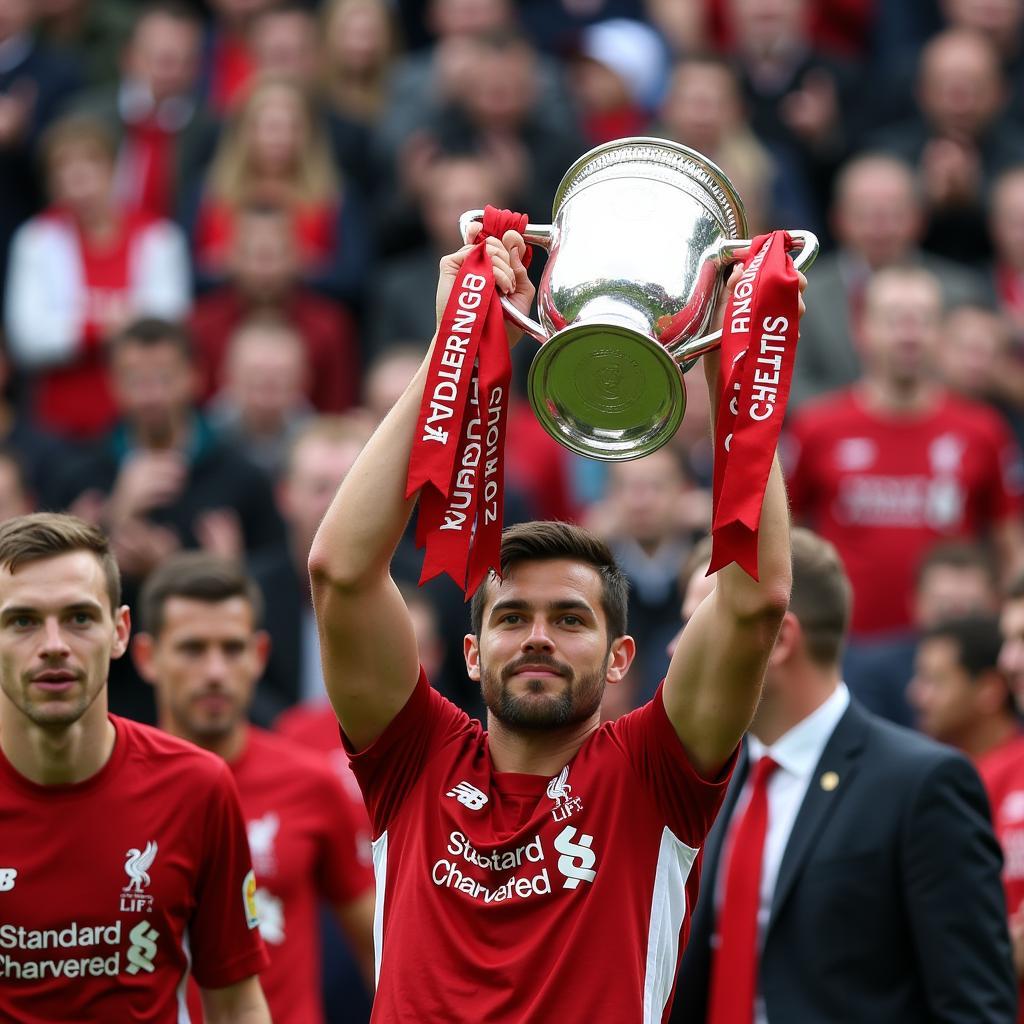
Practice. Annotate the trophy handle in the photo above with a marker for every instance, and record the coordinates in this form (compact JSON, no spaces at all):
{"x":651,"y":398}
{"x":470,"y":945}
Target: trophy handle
{"x":806,"y":245}
{"x":535,"y":234}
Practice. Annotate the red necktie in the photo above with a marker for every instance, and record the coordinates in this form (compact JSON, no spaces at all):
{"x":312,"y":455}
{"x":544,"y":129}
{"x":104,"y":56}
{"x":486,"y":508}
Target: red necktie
{"x":734,"y":970}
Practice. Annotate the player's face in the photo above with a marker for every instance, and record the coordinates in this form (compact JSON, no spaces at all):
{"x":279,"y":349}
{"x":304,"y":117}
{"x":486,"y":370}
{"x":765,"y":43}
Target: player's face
{"x":57,"y":636}
{"x":543,"y":655}
{"x":205,"y":664}
{"x":941,"y":692}
{"x":1011,"y":656}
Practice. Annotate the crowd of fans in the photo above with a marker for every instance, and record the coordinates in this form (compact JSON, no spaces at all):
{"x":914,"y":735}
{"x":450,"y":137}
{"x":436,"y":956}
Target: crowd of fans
{"x":219,"y":232}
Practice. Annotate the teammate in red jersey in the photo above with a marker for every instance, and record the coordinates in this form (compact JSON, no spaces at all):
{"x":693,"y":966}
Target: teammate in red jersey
{"x":123,"y":859}
{"x":542,"y":870}
{"x":202,"y":649}
{"x":889,"y":467}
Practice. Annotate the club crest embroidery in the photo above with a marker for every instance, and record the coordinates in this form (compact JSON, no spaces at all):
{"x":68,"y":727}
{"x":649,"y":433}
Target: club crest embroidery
{"x":559,"y":790}
{"x":137,"y":863}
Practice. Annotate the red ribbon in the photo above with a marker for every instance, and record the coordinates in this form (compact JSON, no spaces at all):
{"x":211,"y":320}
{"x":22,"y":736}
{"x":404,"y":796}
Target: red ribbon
{"x":758,"y":349}
{"x":457,"y":457}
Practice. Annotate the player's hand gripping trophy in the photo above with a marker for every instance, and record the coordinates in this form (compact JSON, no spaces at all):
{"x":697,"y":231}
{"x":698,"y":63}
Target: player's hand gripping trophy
{"x":641,"y":232}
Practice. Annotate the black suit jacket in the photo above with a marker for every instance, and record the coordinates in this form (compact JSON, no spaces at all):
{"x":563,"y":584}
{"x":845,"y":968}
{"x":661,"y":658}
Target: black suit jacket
{"x":888,"y":907}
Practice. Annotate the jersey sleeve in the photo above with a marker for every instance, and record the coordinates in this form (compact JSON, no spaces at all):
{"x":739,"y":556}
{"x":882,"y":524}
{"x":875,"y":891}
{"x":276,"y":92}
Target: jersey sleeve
{"x":223,"y":933}
{"x":389,"y":768}
{"x":342,"y":873}
{"x":687,"y":801}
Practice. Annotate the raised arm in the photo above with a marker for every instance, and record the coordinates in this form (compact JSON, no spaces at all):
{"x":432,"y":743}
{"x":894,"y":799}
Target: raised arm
{"x":714,"y":680}
{"x":367,"y":644}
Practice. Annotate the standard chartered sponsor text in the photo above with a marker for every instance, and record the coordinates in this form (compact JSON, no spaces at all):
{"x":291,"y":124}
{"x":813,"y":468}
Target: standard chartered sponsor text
{"x":448,"y":873}
{"x":102,"y":940}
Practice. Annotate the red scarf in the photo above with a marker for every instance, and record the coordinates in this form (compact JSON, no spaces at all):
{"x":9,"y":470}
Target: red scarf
{"x":457,"y":453}
{"x":758,"y":349}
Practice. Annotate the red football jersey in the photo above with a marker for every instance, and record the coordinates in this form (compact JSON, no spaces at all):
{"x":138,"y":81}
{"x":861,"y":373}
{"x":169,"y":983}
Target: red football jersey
{"x":303,"y":842}
{"x":884,"y":489}
{"x":1002,"y":772}
{"x":505,"y":897}
{"x":111,"y":889}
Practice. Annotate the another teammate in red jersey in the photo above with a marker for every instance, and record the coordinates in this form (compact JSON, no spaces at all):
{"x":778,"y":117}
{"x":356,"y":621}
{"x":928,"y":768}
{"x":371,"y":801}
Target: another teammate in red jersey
{"x":542,"y":870}
{"x":123,"y":858}
{"x":889,"y":467}
{"x":202,"y":649}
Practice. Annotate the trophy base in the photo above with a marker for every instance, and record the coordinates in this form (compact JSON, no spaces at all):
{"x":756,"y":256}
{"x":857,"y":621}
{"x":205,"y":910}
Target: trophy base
{"x":606,"y":392}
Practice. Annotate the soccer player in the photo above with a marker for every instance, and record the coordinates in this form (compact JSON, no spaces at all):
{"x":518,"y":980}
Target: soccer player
{"x":202,"y":649}
{"x":542,"y":870}
{"x":123,"y":858}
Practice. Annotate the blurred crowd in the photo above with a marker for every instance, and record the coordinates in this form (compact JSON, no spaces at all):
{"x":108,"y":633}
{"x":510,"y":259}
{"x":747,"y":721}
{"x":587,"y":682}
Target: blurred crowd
{"x":219,"y":232}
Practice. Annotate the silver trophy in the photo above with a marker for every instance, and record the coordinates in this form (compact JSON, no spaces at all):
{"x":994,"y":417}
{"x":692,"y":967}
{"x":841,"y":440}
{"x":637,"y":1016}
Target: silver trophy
{"x":641,"y":231}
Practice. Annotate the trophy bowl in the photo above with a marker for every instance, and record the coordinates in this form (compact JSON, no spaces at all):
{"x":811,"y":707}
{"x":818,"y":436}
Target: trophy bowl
{"x":641,"y":230}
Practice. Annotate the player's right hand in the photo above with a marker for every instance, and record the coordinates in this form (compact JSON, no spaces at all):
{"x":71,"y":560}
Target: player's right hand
{"x":510,"y":275}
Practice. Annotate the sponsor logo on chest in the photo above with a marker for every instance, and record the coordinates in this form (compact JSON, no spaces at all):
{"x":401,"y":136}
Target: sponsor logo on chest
{"x":538,"y":867}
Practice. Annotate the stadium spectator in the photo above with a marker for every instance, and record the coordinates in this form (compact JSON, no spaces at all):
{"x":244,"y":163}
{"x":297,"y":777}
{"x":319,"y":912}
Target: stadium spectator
{"x":35,"y":84}
{"x":78,"y":273}
{"x":642,"y":519}
{"x":264,"y":279}
{"x":162,"y":480}
{"x":877,"y":218}
{"x":276,"y":151}
{"x":227,"y":66}
{"x":895,"y":463}
{"x":963,"y":699}
{"x":1011,"y":624}
{"x":262,"y":404}
{"x":202,"y":649}
{"x":703,"y":109}
{"x":286,"y":42}
{"x":956,"y":579}
{"x":838,"y":824}
{"x":977,"y":359}
{"x":162,"y":884}
{"x":164,"y":136}
{"x":321,"y":455}
{"x":617,"y":78}
{"x":958,"y":142}
{"x":800,"y":99}
{"x":360,"y":40}
{"x":401,"y":303}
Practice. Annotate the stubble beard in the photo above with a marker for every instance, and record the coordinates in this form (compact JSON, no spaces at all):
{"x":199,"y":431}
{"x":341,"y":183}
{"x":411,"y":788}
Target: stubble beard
{"x":578,"y":699}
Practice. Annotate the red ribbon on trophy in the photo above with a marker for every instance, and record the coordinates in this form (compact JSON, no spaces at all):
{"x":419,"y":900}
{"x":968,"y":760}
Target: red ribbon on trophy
{"x":758,"y":349}
{"x":457,"y":459}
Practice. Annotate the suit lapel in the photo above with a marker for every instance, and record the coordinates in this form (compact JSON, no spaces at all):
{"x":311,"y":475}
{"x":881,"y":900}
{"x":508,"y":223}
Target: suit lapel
{"x":713,"y":846}
{"x":840,"y":756}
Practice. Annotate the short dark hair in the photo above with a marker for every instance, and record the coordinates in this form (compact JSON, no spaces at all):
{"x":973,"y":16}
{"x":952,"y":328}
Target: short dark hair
{"x":1015,"y":590}
{"x":959,"y":554}
{"x":39,"y":535}
{"x":548,"y":540}
{"x":150,"y":331}
{"x":821,"y":598}
{"x":197,"y":576}
{"x":977,"y":638}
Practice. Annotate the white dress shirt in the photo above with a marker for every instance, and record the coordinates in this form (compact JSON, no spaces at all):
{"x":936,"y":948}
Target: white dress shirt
{"x":797,"y":754}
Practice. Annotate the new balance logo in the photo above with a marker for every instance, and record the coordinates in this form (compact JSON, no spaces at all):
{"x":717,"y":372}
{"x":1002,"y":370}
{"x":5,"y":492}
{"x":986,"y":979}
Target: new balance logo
{"x":468,"y":795}
{"x":142,"y":951}
{"x":7,"y":877}
{"x":577,"y":860}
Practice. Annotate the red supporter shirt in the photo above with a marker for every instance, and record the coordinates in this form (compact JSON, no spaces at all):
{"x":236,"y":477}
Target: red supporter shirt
{"x":111,"y":887}
{"x":885,"y":489}
{"x":303,"y":841}
{"x":504,"y":897}
{"x":1002,"y":772}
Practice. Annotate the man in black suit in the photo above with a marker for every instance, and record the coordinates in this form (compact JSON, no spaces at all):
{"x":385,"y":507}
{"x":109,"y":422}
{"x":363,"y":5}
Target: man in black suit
{"x":879,"y":896}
